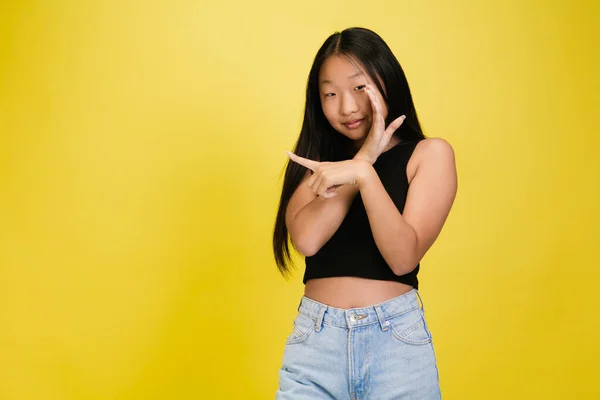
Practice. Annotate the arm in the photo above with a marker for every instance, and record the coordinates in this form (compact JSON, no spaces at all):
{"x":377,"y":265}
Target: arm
{"x":312,"y":220}
{"x":403,"y":239}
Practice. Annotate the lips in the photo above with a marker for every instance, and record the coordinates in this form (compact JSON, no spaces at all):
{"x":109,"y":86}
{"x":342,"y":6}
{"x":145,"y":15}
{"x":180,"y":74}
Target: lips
{"x":355,"y":123}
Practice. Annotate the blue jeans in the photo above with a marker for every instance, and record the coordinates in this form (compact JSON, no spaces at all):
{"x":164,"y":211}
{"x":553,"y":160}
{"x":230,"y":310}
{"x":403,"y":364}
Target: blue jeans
{"x":379,"y":352}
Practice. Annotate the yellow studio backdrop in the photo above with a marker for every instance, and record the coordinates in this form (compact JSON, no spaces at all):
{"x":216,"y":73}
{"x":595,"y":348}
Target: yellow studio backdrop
{"x":141,"y":146}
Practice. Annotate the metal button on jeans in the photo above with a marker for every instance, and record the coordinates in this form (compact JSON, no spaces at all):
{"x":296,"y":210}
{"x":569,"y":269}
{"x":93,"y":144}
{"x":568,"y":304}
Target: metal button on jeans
{"x":357,"y":317}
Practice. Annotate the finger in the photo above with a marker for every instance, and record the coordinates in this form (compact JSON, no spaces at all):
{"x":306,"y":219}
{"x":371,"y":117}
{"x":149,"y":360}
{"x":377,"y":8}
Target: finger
{"x":305,"y":162}
{"x":321,"y":189}
{"x":324,"y":186}
{"x":317,"y":184}
{"x":311,"y":181}
{"x":329,"y":193}
{"x":333,"y":188}
{"x":375,"y":103}
{"x":394,"y":125}
{"x":375,"y":106}
{"x":317,"y":176}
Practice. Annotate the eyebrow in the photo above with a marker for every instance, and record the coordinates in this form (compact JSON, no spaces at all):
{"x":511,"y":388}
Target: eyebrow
{"x":350,"y":77}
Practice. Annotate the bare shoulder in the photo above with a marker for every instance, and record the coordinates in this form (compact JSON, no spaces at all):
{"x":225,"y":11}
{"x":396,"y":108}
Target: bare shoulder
{"x":431,"y":151}
{"x":433,"y":148}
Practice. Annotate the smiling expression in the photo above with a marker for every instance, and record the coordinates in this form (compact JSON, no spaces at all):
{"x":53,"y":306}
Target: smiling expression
{"x":343,"y":99}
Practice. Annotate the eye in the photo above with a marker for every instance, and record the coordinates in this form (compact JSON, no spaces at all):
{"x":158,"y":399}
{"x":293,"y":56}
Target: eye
{"x":329,"y":94}
{"x":360,"y":87}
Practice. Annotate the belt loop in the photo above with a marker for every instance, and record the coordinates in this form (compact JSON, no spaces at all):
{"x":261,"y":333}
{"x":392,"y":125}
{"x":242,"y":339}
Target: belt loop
{"x":319,"y":322}
{"x":420,"y":301}
{"x":381,"y":317}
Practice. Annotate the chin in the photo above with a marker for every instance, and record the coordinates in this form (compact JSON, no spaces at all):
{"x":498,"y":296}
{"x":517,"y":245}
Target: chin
{"x":354,"y":134}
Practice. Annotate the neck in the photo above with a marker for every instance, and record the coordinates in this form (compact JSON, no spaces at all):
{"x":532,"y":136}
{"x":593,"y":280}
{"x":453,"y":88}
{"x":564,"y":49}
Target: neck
{"x":357,"y":144}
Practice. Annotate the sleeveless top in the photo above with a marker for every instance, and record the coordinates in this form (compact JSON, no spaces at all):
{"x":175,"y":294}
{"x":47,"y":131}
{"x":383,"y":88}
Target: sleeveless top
{"x":352,"y":251}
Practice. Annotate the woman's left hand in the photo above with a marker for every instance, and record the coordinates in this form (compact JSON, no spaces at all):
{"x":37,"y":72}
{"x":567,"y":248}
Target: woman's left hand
{"x":328,"y":176}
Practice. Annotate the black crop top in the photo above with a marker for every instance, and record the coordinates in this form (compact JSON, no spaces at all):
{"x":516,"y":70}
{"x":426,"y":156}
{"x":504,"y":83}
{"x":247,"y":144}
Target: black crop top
{"x":352,"y":251}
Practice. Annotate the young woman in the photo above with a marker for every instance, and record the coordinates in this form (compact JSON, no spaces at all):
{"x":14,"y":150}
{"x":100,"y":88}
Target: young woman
{"x":364,"y":197}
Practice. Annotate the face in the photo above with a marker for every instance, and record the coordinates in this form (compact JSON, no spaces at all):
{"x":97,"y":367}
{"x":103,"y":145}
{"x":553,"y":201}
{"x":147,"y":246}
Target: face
{"x":345,"y":104}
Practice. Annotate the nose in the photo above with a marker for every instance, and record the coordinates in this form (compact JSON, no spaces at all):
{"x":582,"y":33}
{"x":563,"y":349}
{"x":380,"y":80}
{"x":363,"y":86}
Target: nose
{"x":349,"y":105}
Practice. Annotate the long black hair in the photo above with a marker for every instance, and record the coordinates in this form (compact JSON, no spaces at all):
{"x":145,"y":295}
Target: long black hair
{"x":319,"y":140}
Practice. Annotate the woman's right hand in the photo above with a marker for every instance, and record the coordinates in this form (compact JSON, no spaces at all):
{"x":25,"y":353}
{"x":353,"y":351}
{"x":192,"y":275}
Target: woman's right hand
{"x":378,"y":137}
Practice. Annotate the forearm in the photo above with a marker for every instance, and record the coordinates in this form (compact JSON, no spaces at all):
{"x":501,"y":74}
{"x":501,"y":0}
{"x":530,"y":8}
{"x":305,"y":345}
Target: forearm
{"x":394,"y":237}
{"x":318,"y":220}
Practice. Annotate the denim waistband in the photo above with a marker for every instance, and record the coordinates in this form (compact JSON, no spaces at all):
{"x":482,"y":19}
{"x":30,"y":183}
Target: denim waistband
{"x":353,"y":317}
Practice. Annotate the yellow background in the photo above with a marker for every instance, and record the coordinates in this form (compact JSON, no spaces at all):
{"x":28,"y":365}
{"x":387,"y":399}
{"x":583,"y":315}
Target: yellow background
{"x":141,"y":146}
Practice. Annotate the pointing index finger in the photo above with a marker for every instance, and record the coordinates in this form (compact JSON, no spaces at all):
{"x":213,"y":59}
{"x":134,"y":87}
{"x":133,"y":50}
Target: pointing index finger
{"x":305,"y":162}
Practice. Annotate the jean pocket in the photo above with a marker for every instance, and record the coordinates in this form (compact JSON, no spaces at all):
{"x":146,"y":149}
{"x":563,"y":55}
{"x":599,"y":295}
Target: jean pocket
{"x":411,"y":328}
{"x":302,"y":328}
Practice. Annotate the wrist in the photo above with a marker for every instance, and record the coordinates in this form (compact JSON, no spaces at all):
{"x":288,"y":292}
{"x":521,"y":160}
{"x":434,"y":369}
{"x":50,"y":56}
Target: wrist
{"x":365,"y":173}
{"x":363,"y":157}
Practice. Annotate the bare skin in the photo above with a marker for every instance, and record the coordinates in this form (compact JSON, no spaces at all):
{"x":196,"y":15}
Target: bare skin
{"x":354,"y":107}
{"x":350,"y":292}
